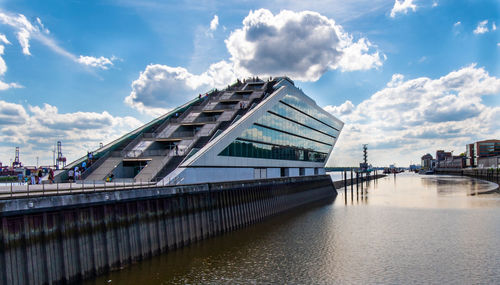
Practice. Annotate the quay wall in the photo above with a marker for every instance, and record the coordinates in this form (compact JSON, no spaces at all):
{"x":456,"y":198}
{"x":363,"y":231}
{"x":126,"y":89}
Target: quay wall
{"x":64,"y":239}
{"x":488,"y":174}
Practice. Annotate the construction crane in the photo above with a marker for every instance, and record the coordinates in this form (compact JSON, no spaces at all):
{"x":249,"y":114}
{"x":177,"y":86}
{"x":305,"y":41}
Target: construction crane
{"x":61,"y":160}
{"x":17,"y":162}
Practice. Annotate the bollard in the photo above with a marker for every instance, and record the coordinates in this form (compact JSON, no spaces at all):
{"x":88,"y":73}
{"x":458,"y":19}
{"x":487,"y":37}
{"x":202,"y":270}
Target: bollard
{"x":345,"y":183}
{"x":11,"y":189}
{"x":357,"y":181}
{"x":351,"y":183}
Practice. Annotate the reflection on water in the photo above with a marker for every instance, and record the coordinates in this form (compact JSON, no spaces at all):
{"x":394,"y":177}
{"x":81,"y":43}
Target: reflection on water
{"x":408,"y":229}
{"x":424,"y":191}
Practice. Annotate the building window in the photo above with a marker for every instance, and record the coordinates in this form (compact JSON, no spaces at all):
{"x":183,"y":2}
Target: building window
{"x":260,"y":173}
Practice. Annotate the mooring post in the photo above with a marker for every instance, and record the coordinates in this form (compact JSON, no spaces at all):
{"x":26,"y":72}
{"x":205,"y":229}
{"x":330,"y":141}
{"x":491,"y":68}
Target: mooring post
{"x":345,"y":182}
{"x":11,"y":189}
{"x":351,"y":183}
{"x":357,"y":181}
{"x":361,"y":183}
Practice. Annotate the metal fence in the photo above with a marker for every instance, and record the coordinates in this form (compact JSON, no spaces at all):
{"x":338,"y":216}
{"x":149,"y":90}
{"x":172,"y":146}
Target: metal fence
{"x":18,"y":190}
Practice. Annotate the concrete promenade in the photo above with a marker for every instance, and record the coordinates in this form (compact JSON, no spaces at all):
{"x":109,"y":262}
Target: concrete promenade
{"x":16,"y":190}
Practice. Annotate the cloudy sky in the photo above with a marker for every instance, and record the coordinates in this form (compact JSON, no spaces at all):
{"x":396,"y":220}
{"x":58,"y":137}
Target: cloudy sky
{"x":406,"y":76}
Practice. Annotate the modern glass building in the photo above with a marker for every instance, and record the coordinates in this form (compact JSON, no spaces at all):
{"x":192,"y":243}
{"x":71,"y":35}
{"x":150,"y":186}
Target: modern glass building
{"x":287,"y":134}
{"x":254,"y":129}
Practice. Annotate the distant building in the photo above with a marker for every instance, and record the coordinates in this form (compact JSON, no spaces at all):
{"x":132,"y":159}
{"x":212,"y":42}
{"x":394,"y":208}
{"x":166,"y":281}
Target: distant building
{"x":476,"y":152}
{"x":488,"y":162}
{"x":453,"y":162}
{"x":427,"y":161}
{"x":469,"y":154}
{"x":441,"y":156}
{"x":413,"y":167}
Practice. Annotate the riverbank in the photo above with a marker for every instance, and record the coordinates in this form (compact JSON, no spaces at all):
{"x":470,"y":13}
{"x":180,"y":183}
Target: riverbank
{"x":490,"y":175}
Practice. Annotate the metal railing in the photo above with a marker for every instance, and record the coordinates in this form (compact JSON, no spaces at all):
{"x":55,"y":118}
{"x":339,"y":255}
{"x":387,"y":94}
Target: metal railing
{"x":146,"y":153}
{"x":185,"y":134}
{"x":18,"y":190}
{"x":205,"y":120}
{"x":95,"y":165}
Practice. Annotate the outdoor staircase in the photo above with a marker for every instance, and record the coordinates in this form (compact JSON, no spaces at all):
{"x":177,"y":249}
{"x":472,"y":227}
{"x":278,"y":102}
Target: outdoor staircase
{"x":190,"y":130}
{"x":104,"y":169}
{"x":152,"y":168}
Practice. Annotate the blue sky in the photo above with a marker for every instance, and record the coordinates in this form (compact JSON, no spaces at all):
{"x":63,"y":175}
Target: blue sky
{"x":407,"y":77}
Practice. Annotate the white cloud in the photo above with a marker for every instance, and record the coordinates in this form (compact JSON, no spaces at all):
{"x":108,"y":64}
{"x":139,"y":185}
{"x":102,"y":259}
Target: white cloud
{"x":481,"y":27}
{"x":3,"y":65}
{"x":345,"y":109}
{"x":457,"y":24}
{"x":493,"y":26}
{"x":416,"y":116}
{"x":302,"y":45}
{"x":434,"y":4}
{"x":100,"y":62}
{"x":26,"y":30}
{"x":402,"y":6}
{"x":38,"y":128}
{"x":214,"y":23}
{"x":160,"y":87}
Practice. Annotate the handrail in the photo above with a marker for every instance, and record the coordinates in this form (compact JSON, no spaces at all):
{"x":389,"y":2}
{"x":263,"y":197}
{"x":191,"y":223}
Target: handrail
{"x":47,"y":190}
{"x":132,"y":144}
{"x":146,"y":153}
{"x":95,"y":165}
{"x":186,"y":134}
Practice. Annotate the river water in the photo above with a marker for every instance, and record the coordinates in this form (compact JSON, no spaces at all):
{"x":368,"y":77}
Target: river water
{"x":404,"y":229}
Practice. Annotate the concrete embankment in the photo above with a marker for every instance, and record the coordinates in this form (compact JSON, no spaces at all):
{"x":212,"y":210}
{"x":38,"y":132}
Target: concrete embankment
{"x":67,"y":238}
{"x":491,"y":175}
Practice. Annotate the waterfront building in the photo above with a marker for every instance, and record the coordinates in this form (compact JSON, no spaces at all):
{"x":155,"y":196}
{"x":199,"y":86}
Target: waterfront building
{"x":251,"y":130}
{"x":441,"y":155}
{"x":482,"y":149}
{"x":427,"y":162}
{"x":456,"y":161}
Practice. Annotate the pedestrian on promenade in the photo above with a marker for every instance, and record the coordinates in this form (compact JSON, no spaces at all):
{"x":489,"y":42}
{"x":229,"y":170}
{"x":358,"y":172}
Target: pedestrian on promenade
{"x":84,"y":166}
{"x":176,"y":150}
{"x":33,"y":179}
{"x":40,"y":175}
{"x":51,"y":176}
{"x":71,"y":174}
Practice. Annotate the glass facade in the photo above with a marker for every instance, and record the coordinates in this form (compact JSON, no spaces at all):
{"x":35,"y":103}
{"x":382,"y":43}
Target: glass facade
{"x":290,"y":130}
{"x":297,"y":116}
{"x":311,"y":111}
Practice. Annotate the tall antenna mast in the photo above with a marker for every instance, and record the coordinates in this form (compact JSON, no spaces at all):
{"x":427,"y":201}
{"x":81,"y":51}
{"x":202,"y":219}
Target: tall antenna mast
{"x":365,"y":154}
